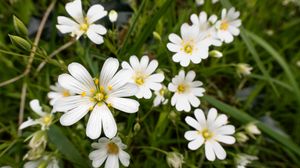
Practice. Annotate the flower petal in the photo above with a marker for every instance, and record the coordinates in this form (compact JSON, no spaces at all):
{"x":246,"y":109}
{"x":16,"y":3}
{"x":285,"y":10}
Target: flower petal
{"x":112,"y":161}
{"x":124,"y":104}
{"x":174,"y":38}
{"x":62,"y":20}
{"x":95,"y":13}
{"x":28,"y":123}
{"x":128,"y":89}
{"x":69,"y":82}
{"x":74,"y":9}
{"x":193,"y":123}
{"x":191,"y":135}
{"x":108,"y":71}
{"x":120,"y":79}
{"x":124,"y":158}
{"x":97,"y":28}
{"x":98,"y":157}
{"x":199,"y":114}
{"x":225,"y":139}
{"x":196,"y":143}
{"x":81,"y":74}
{"x":108,"y":122}
{"x":74,"y":115}
{"x":36,"y":107}
{"x":93,"y":128}
{"x":209,"y":152}
{"x":218,"y":150}
{"x":94,"y":37}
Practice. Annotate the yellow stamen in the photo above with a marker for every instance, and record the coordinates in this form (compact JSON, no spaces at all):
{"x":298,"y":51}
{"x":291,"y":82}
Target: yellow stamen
{"x":109,"y":88}
{"x":83,"y":94}
{"x":84,"y":27}
{"x":109,"y":105}
{"x":162,"y":92}
{"x":99,"y":96}
{"x":47,"y":119}
{"x":102,"y":89}
{"x":96,"y":81}
{"x":91,"y":108}
{"x":112,"y":148}
{"x":139,"y":80}
{"x":224,"y":25}
{"x":206,"y":134}
{"x":66,"y":93}
{"x":188,"y":49}
{"x":181,"y":88}
{"x":92,"y":91}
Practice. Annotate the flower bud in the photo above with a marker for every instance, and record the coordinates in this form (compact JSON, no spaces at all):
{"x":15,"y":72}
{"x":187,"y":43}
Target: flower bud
{"x":39,"y":139}
{"x":241,"y":137}
{"x":156,"y":36}
{"x":113,"y":16}
{"x":19,"y":26}
{"x":243,"y":69}
{"x":175,"y":159}
{"x":136,"y":127}
{"x":20,"y":42}
{"x":216,"y":54}
{"x":251,"y":128}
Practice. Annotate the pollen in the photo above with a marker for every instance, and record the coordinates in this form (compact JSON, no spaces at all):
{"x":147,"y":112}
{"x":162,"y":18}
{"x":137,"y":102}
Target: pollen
{"x":47,"y":119}
{"x":206,"y":134}
{"x":96,"y":81}
{"x":84,"y":27}
{"x":109,"y":87}
{"x":224,"y":25}
{"x":112,"y":148}
{"x":139,"y":80}
{"x":83,"y":94}
{"x":181,"y":88}
{"x":162,"y":92}
{"x":92,"y":91}
{"x":102,"y":89}
{"x":188,"y":48}
{"x":99,"y":96}
{"x":66,"y":93}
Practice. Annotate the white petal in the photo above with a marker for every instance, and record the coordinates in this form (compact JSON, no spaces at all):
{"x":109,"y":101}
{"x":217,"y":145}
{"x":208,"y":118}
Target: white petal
{"x":62,"y":20}
{"x":192,"y":122}
{"x":82,"y":75}
{"x":155,"y":86}
{"x":69,"y":82}
{"x":191,"y":135}
{"x":212,"y":115}
{"x":108,"y":122}
{"x":134,"y":62}
{"x":95,"y":13}
{"x":124,"y":158}
{"x":174,"y":38}
{"x":225,"y":139}
{"x":196,"y":143}
{"x":221,"y":120}
{"x":144,"y":92}
{"x":112,"y":161}
{"x":226,"y":130}
{"x":199,"y":114}
{"x":128,"y":89}
{"x":28,"y":123}
{"x":93,"y":128}
{"x":108,"y":71}
{"x":125,"y":65}
{"x":190,"y":76}
{"x":144,"y":61}
{"x":98,"y":157}
{"x":74,"y":9}
{"x":194,"y":101}
{"x":124,"y":104}
{"x":36,"y":107}
{"x":183,"y":104}
{"x":209,"y":152}
{"x":120,"y":79}
{"x":69,"y":103}
{"x":94,"y":37}
{"x":219,"y":151}
{"x":97,"y":28}
{"x":74,"y":115}
{"x":159,"y":77}
{"x":173,"y":48}
{"x":172,"y":87}
{"x":65,"y":29}
{"x":194,"y":19}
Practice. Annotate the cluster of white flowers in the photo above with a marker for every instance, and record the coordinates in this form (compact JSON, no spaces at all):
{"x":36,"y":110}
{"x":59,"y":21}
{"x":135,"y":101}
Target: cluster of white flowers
{"x":78,"y":94}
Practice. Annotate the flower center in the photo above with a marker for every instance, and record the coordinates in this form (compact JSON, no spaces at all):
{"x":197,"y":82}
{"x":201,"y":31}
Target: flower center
{"x":188,"y":49}
{"x":206,"y":134}
{"x":181,"y":88}
{"x":112,"y":148}
{"x":139,"y":79}
{"x":66,"y":93}
{"x":47,"y":119}
{"x":84,"y":26}
{"x":162,"y":91}
{"x":224,"y":25}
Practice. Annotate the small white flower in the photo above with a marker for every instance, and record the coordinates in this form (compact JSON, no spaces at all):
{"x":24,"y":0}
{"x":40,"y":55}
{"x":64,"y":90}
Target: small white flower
{"x":209,"y":132}
{"x":186,"y":91}
{"x":45,"y":161}
{"x":113,"y":16}
{"x":141,"y":74}
{"x":110,"y":150}
{"x":45,"y":119}
{"x":206,"y":27}
{"x":201,"y":2}
{"x":58,"y":92}
{"x":191,"y":47}
{"x":175,"y":159}
{"x":109,"y":90}
{"x":243,"y":69}
{"x":83,"y":24}
{"x":251,"y":128}
{"x":229,"y":25}
{"x":160,"y":96}
{"x":242,"y":160}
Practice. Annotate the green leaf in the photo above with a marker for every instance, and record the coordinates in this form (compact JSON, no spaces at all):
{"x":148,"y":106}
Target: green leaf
{"x":65,"y":146}
{"x":246,"y":118}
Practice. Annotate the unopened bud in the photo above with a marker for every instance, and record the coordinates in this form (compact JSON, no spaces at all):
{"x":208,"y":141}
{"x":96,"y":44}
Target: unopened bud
{"x":241,"y":137}
{"x":20,"y":42}
{"x":251,"y":128}
{"x":216,"y":54}
{"x":175,"y":159}
{"x":19,"y":26}
{"x":156,"y":36}
{"x":113,"y":16}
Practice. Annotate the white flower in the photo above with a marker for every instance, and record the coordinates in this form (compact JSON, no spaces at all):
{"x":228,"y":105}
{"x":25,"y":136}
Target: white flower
{"x":243,"y":69}
{"x":57,"y":92}
{"x":110,"y":150}
{"x":206,"y":27}
{"x":83,"y":24}
{"x":242,"y":160}
{"x":186,"y":91}
{"x":251,"y":128}
{"x":141,"y":74}
{"x":175,"y":159}
{"x":113,"y":15}
{"x":109,"y":90}
{"x":191,"y":47}
{"x":229,"y":25}
{"x":209,"y":132}
{"x":201,"y":2}
{"x":45,"y":119}
{"x":45,"y":161}
{"x":160,"y":96}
